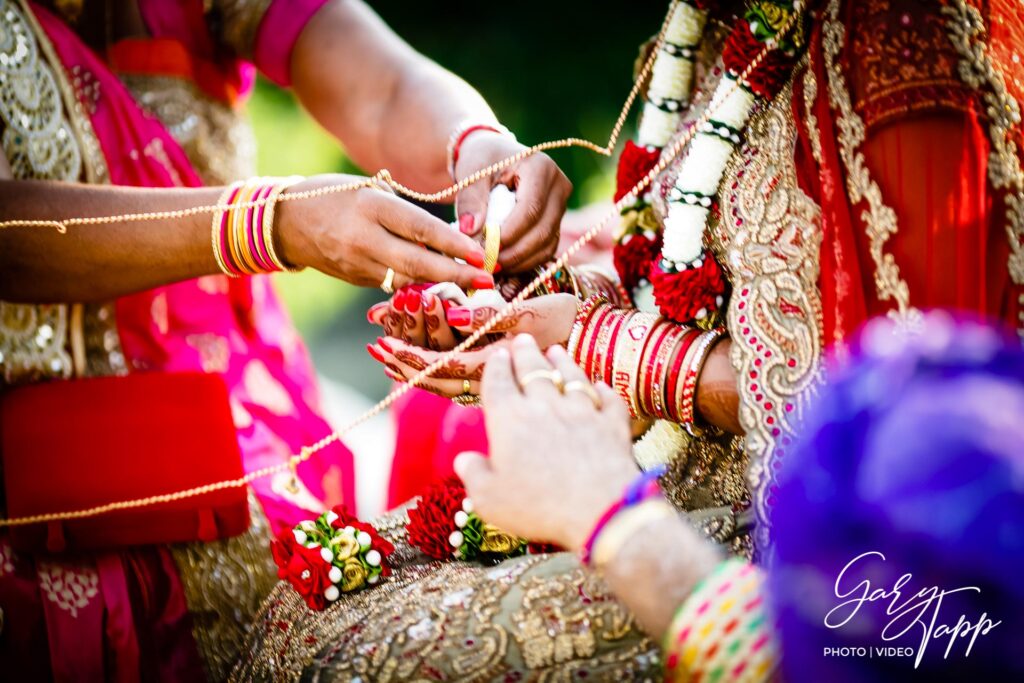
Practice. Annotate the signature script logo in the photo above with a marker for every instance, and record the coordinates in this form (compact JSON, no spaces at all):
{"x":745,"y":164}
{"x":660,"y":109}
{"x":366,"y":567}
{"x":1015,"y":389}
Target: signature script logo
{"x":908,"y":611}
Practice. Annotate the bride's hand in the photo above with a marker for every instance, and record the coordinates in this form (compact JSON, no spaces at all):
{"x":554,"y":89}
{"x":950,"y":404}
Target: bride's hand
{"x":548,"y":319}
{"x":402,"y":361}
{"x":558,"y":460}
{"x":416,"y":316}
{"x":356,"y":236}
{"x":529,"y":235}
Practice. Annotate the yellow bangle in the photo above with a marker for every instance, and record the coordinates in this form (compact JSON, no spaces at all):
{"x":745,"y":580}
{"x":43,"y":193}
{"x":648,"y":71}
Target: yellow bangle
{"x":240,"y":227}
{"x":624,"y":526}
{"x":220,"y":225}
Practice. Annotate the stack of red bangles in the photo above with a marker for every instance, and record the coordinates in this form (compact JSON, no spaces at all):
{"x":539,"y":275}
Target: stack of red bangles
{"x":243,"y":235}
{"x":652,"y":362}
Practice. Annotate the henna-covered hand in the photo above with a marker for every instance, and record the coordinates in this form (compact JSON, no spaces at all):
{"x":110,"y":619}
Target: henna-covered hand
{"x":404,"y":361}
{"x":548,"y":319}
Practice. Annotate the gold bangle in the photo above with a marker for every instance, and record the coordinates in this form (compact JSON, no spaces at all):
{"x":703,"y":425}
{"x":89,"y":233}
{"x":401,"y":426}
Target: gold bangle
{"x":233,"y":250}
{"x":218,"y":223}
{"x":240,"y":226}
{"x":280,"y":186}
{"x":627,"y":350}
{"x":492,"y":245}
{"x":624,"y":526}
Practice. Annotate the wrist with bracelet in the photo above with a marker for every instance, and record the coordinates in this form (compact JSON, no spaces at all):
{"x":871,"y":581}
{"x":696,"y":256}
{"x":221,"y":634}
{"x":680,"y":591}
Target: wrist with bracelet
{"x":641,"y":503}
{"x":242,"y":232}
{"x":462,"y":133}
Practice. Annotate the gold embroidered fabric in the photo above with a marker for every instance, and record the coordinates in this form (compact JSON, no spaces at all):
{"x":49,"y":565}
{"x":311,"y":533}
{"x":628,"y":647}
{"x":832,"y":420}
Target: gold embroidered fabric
{"x":225,"y":582}
{"x":769,"y":235}
{"x":47,"y":136}
{"x":540,"y":618}
{"x":217,"y":139}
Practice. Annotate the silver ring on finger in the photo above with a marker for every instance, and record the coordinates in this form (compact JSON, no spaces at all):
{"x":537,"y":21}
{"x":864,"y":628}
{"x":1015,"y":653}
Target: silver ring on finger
{"x":584,"y":388}
{"x":388,"y":285}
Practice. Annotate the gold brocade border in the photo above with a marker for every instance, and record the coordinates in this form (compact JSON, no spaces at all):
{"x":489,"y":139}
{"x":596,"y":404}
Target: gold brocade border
{"x":967,"y":32}
{"x":96,"y":171}
{"x":770,"y":231}
{"x":879,"y":218}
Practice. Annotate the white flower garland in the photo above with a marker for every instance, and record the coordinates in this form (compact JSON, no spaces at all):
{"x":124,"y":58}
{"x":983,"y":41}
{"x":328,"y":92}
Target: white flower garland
{"x":668,"y":93}
{"x":690,"y":199}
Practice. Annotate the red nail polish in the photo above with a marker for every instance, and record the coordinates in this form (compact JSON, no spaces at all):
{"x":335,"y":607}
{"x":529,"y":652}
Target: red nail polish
{"x":475,"y":258}
{"x":458,"y":317}
{"x":375,"y":353}
{"x":383,"y":343}
{"x":483,"y":282}
{"x":497,"y":268}
{"x":466,"y":224}
{"x":412,"y":302}
{"x":398,"y":302}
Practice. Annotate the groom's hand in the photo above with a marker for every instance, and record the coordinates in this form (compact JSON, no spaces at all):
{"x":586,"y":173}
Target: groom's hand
{"x":529,"y":235}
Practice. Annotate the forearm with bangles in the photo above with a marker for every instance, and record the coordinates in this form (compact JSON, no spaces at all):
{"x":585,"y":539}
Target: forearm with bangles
{"x":653,"y":363}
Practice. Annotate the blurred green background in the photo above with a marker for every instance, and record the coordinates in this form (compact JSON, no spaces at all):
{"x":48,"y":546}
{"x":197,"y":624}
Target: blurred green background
{"x":549,"y":69}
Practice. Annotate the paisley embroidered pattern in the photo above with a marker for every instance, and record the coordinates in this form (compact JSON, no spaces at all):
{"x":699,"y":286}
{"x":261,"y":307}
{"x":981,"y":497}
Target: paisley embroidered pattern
{"x":879,"y":218}
{"x":770,"y":235}
{"x":969,"y":36}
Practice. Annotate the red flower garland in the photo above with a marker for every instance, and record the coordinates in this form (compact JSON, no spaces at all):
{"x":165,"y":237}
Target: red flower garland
{"x":633,"y":259}
{"x":680,"y":296}
{"x":430,"y":522}
{"x":635,"y":162}
{"x":742,"y":47}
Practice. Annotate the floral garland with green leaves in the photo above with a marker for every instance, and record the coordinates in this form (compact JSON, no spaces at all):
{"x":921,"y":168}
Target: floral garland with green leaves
{"x":687,"y":283}
{"x":331,"y":555}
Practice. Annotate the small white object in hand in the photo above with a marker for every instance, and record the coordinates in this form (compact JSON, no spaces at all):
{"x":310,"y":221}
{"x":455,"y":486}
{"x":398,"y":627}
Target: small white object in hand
{"x":500,"y":205}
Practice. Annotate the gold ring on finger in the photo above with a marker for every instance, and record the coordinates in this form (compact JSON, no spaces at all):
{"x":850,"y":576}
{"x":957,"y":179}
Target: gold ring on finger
{"x":553,"y":376}
{"x":585,"y":388}
{"x":467,"y":398}
{"x":388,"y":285}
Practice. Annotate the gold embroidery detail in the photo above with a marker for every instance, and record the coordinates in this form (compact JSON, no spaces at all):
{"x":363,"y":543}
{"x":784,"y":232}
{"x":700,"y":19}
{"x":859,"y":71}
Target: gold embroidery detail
{"x":216,"y":138}
{"x":770,"y":235}
{"x":541,"y":617}
{"x":879,"y":218}
{"x":225,"y":582}
{"x":40,"y":141}
{"x":968,"y":33}
{"x":810,"y":92}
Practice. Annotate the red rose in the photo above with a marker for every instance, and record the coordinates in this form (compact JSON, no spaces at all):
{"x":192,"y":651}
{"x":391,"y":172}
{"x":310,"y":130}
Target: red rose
{"x":680,"y":296}
{"x":307,"y":572}
{"x":539,"y":548}
{"x":633,"y":259}
{"x":345,"y":518}
{"x":282,"y":548}
{"x":634,"y":163}
{"x":432,"y":521}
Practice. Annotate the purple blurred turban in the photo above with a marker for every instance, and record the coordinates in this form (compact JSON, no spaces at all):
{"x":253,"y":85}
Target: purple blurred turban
{"x":914,"y":451}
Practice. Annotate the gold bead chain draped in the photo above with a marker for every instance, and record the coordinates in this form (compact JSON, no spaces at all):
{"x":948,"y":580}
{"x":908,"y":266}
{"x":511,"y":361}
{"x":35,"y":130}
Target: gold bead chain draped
{"x":667,"y":156}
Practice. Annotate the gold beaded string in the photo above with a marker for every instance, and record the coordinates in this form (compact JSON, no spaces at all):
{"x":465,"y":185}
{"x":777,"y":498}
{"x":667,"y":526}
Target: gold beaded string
{"x":384,"y":175}
{"x":307,"y":452}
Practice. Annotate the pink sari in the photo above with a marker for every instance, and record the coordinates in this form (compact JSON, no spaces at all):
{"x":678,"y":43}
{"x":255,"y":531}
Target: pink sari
{"x":123,"y":615}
